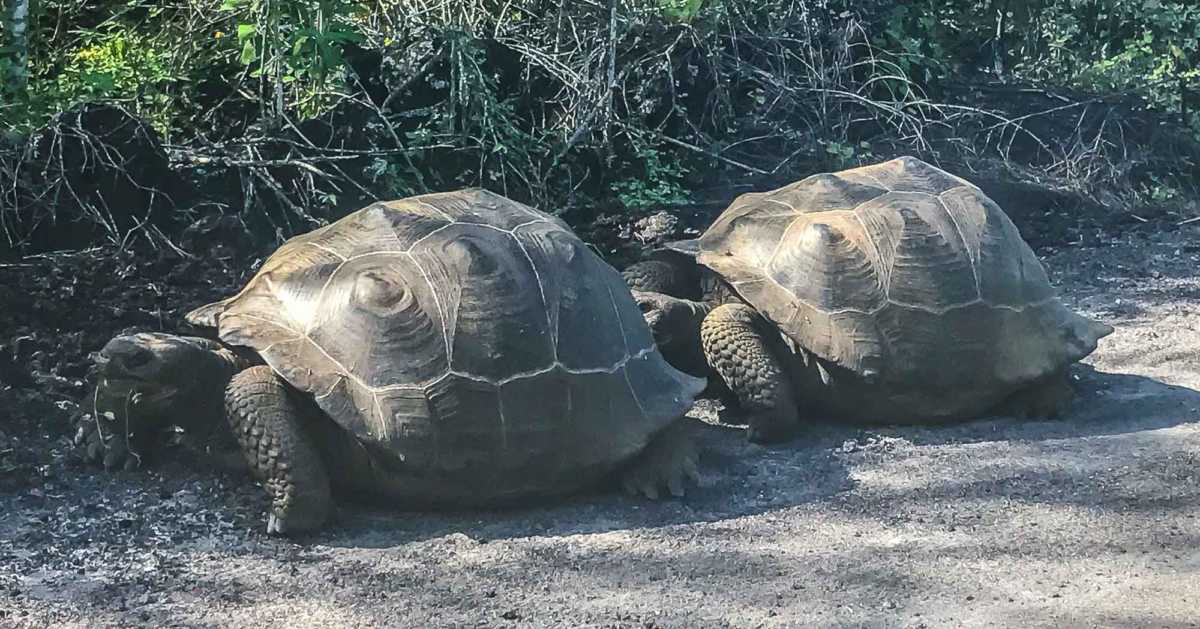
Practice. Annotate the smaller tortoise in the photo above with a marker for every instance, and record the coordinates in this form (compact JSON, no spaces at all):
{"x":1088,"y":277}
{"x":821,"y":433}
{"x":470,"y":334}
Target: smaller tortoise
{"x":889,"y":293}
{"x":448,"y":349}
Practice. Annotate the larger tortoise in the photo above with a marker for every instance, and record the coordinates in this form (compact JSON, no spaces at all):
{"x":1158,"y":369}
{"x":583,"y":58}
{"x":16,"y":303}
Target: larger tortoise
{"x":460,"y":348}
{"x":895,"y":292}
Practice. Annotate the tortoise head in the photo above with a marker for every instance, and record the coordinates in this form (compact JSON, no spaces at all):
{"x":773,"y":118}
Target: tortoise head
{"x":1081,"y":335}
{"x":675,"y":325}
{"x":156,"y":377}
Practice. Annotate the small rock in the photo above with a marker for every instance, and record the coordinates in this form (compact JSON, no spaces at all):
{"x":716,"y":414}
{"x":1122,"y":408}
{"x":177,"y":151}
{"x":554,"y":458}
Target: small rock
{"x":657,"y":227}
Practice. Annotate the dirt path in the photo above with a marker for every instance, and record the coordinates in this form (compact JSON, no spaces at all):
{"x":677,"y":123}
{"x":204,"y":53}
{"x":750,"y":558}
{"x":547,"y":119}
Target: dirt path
{"x":1089,"y":521}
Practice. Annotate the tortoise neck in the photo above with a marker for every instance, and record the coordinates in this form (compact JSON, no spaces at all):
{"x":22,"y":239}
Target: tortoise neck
{"x":233,"y":361}
{"x":202,"y":414}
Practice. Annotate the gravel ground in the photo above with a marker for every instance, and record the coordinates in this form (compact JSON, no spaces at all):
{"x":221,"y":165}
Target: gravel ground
{"x":1092,"y":520}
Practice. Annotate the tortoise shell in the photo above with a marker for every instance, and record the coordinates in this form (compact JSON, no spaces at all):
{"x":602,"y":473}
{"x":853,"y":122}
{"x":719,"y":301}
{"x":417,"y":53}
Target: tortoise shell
{"x":899,"y":272}
{"x":462,"y":332}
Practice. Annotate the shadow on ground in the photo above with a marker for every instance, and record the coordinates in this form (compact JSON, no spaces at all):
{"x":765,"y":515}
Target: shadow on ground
{"x":1105,"y":404}
{"x":739,"y":479}
{"x":743,"y":479}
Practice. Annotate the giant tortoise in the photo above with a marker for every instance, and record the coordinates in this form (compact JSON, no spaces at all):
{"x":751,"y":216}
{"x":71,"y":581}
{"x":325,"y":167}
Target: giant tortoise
{"x":448,"y":349}
{"x":895,"y":292}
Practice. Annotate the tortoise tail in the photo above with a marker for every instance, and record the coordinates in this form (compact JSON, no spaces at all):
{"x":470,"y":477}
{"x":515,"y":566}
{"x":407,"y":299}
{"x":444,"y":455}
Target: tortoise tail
{"x":1083,"y":334}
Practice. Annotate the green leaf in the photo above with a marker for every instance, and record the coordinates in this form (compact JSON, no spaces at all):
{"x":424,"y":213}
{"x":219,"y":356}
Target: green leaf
{"x":248,"y":52}
{"x":246,"y":31}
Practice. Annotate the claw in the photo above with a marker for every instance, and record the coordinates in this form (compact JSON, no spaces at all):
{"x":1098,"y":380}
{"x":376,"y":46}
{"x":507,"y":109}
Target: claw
{"x":275,"y":525}
{"x":825,"y":377}
{"x":664,"y":467}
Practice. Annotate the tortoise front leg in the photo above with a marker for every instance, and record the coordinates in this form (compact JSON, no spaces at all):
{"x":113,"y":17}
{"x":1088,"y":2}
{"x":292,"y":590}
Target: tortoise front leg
{"x":268,"y":423}
{"x":736,"y":349}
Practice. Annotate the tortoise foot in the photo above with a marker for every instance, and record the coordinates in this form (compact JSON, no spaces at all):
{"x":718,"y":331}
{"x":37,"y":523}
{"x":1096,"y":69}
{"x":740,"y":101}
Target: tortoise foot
{"x":109,"y":443}
{"x":770,"y":427}
{"x":668,"y":462}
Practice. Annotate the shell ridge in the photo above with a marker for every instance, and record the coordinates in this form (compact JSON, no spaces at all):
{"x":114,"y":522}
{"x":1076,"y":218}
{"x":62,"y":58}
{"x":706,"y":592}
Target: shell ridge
{"x":971,"y":257}
{"x":633,"y":391}
{"x":612,"y":299}
{"x":447,"y":333}
{"x":620,"y":325}
{"x":435,"y":208}
{"x":312,"y":322}
{"x":503,"y":421}
{"x":537,"y":276}
{"x":766,"y":270}
{"x":886,"y":272}
{"x":877,"y":180}
{"x":326,"y":250}
{"x":342,"y":371}
{"x":539,"y":371}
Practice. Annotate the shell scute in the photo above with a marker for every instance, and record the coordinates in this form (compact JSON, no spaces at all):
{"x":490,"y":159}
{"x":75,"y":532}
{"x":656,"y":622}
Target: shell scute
{"x":495,"y":321}
{"x":823,"y":261}
{"x":922,"y":257}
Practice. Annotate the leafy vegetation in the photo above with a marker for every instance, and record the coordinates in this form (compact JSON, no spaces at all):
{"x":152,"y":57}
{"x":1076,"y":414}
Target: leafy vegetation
{"x":289,"y":112}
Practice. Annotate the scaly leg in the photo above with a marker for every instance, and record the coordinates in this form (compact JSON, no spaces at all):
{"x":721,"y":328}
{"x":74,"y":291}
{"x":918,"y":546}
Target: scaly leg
{"x":267,"y":422}
{"x":736,"y":349}
{"x":674,"y":276}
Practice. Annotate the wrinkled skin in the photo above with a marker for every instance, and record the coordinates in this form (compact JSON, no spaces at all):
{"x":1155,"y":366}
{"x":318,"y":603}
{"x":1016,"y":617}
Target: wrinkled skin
{"x":149,"y":381}
{"x":675,"y":324}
